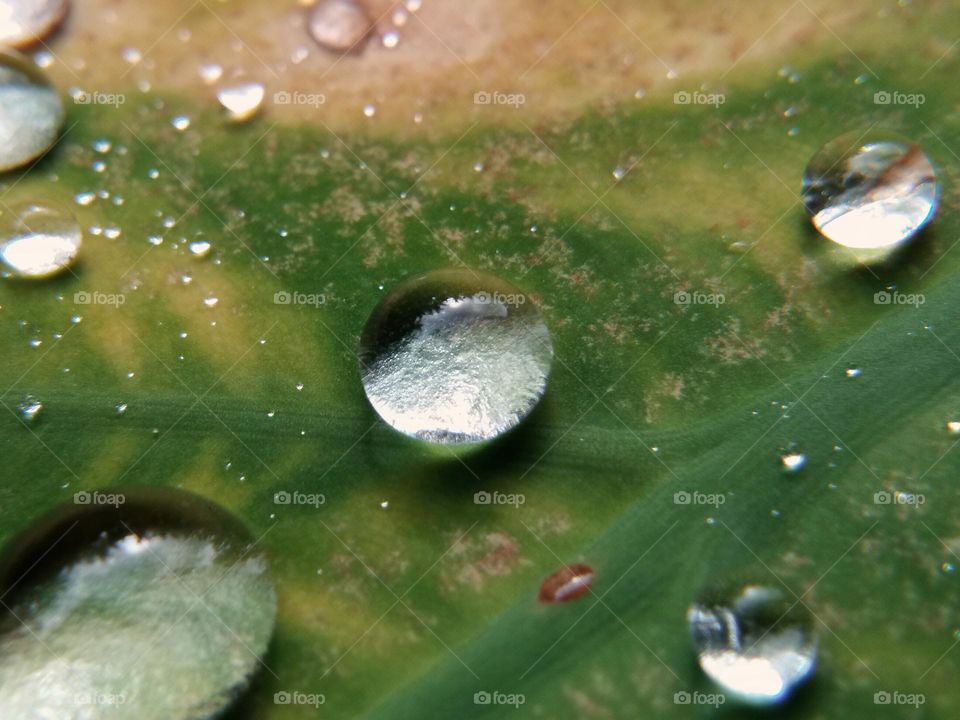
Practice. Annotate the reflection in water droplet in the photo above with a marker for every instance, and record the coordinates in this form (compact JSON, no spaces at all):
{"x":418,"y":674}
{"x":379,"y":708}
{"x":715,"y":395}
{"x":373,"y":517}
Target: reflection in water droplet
{"x":455,"y":356}
{"x":29,"y":408}
{"x":340,"y":25}
{"x":853,"y":372}
{"x":793,"y":461}
{"x":121,"y":408}
{"x":568,"y":583}
{"x":37,"y":241}
{"x":199,"y":248}
{"x":31,"y":112}
{"x":241,"y":101}
{"x":180,"y":122}
{"x":753,"y":641}
{"x":113,"y":585}
{"x":870,"y":191}
{"x":23,"y":22}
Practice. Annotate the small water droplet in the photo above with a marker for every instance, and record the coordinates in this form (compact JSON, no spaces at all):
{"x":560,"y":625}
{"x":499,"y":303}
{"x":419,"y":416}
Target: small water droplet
{"x":369,"y":110}
{"x":131,"y":55}
{"x":29,"y":409}
{"x":210,"y":301}
{"x":619,"y":173}
{"x":568,"y":583}
{"x":121,"y":408}
{"x":38,"y":240}
{"x":299,"y":386}
{"x":455,"y":356}
{"x":478,"y":167}
{"x":853,"y":372}
{"x":385,"y":505}
{"x":31,"y":112}
{"x":953,"y":427}
{"x":390,"y":39}
{"x":210,"y":72}
{"x":84,"y":198}
{"x":199,"y":248}
{"x":180,"y":122}
{"x":241,"y":101}
{"x":340,"y":25}
{"x":793,"y":461}
{"x":753,"y":641}
{"x":870,"y":192}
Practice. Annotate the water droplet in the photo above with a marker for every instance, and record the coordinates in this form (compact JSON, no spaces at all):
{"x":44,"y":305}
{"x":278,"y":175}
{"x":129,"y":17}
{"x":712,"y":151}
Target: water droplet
{"x":871,"y":192}
{"x":793,"y":461}
{"x":199,"y":248}
{"x":853,"y":372}
{"x":478,"y":167}
{"x":180,"y":122}
{"x":102,"y":146}
{"x":23,"y":22}
{"x":619,"y":173}
{"x":37,"y":241}
{"x":210,"y":301}
{"x":413,"y":5}
{"x":567,"y":583}
{"x":340,"y":25}
{"x":400,"y":17}
{"x":31,"y":112}
{"x":391,"y":39}
{"x":385,"y":505}
{"x":241,"y":101}
{"x":210,"y":72}
{"x":753,"y":641}
{"x":124,"y":586}
{"x":299,"y":386}
{"x":121,"y":408}
{"x":455,"y":356}
{"x":131,"y":55}
{"x":953,"y":427}
{"x":29,"y":408}
{"x":369,"y":110}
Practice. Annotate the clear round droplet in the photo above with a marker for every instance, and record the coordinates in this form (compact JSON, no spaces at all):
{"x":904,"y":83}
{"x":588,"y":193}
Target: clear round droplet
{"x":151,"y":603}
{"x":455,"y":356}
{"x":341,"y":25}
{"x":31,"y":112}
{"x":38,"y":240}
{"x":753,"y":641}
{"x":870,"y":192}
{"x":241,"y":101}
{"x":23,"y":22}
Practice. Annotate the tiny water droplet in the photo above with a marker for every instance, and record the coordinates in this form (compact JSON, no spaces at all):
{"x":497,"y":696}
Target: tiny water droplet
{"x":870,"y":192}
{"x":568,"y":583}
{"x":455,"y":356}
{"x":241,"y":101}
{"x":199,"y":248}
{"x":793,"y":461}
{"x":853,"y":372}
{"x":619,"y":173}
{"x":369,"y":110}
{"x":385,"y":505}
{"x":121,"y":408}
{"x":31,"y":112}
{"x":38,"y":240}
{"x":180,"y":122}
{"x":953,"y":427}
{"x":29,"y":408}
{"x":753,"y":641}
{"x":210,"y":72}
{"x":210,"y":302}
{"x":391,"y":39}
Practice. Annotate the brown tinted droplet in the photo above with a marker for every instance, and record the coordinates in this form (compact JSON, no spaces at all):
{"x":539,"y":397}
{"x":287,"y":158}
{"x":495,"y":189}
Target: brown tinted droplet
{"x":568,"y":583}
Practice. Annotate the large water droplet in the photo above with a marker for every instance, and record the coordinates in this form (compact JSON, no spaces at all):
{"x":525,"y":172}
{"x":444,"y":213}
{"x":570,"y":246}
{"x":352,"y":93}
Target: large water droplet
{"x":753,"y":641}
{"x":23,"y":22}
{"x":135,"y":603}
{"x":37,"y":241}
{"x":870,"y":192}
{"x":455,"y":356}
{"x":568,"y":583}
{"x":31,"y":112}
{"x":340,"y":25}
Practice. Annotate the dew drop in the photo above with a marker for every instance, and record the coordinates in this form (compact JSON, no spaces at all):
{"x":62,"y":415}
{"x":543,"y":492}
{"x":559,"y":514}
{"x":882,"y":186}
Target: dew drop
{"x":29,"y":409}
{"x":793,"y":461}
{"x":199,"y":248}
{"x":210,"y":72}
{"x":619,"y":173}
{"x":241,"y":101}
{"x":385,"y":505}
{"x":390,"y":39}
{"x":567,"y":583}
{"x":753,"y":641}
{"x":99,"y":579}
{"x":23,"y":22}
{"x":455,"y":356}
{"x":340,"y":25}
{"x":180,"y":122}
{"x":121,"y":408}
{"x":210,"y":302}
{"x":953,"y":427}
{"x":369,"y":110}
{"x":870,"y":192}
{"x":31,"y":112}
{"x":37,"y":241}
{"x":853,"y":372}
